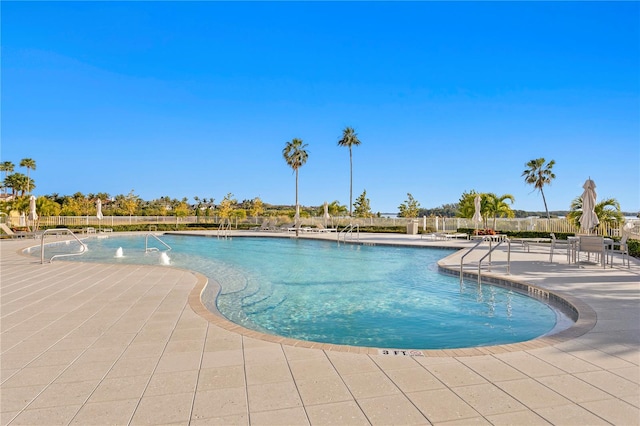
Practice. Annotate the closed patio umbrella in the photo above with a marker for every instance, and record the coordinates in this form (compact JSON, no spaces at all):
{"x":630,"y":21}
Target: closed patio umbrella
{"x":589,"y":219}
{"x":33,"y":215}
{"x":99,"y":209}
{"x":326,"y":213}
{"x":99,"y":212}
{"x":477,"y":216}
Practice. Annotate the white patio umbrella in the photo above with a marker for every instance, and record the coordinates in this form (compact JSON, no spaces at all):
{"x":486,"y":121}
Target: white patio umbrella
{"x":477,"y":216}
{"x":99,"y":211}
{"x":326,"y":213}
{"x":33,"y":215}
{"x":589,"y":219}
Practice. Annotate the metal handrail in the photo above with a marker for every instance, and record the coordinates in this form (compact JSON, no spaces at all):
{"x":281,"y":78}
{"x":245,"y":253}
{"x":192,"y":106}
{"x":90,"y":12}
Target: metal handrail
{"x":224,"y":228}
{"x":82,"y":245}
{"x":146,"y":243}
{"x":349,"y":230}
{"x":489,"y":254}
{"x":485,"y":238}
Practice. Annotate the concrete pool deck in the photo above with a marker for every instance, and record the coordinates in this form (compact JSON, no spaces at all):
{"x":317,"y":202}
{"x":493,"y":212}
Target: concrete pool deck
{"x":121,"y":344}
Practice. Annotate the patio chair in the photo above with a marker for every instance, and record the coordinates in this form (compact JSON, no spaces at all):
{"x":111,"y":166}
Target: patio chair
{"x":593,"y":244}
{"x":622,"y":248}
{"x":559,"y":245}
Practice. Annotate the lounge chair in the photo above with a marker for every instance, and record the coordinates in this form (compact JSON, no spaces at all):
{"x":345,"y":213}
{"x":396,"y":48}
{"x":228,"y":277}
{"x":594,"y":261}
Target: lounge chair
{"x":456,"y":235}
{"x":286,"y":227}
{"x":16,"y":234}
{"x":265,"y":226}
{"x":322,"y":228}
{"x":299,"y":228}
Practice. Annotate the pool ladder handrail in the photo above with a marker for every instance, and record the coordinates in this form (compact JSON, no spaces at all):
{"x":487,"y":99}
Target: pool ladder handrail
{"x":83,"y":246}
{"x":147,"y":249}
{"x":224,"y":229}
{"x":491,"y":249}
{"x":348,"y":230}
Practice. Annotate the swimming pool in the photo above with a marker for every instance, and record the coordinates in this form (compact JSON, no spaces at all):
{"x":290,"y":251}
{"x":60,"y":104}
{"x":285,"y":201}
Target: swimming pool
{"x":383,"y":296}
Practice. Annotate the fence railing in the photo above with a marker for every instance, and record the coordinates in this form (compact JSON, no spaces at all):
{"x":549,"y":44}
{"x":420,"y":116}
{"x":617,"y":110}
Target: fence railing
{"x":437,"y":224}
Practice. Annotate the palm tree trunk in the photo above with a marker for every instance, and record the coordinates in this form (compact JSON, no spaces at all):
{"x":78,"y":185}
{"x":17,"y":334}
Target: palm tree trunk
{"x":295,"y":225}
{"x":350,"y":182}
{"x":544,"y":200}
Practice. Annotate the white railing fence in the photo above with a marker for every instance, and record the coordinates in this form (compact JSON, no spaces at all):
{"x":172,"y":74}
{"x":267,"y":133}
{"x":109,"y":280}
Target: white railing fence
{"x":438,"y":224}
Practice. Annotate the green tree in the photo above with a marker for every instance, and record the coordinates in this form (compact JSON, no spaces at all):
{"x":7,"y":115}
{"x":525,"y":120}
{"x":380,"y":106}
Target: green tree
{"x":538,"y":173}
{"x":7,"y":167}
{"x":181,"y":209}
{"x":296,"y":156}
{"x":608,"y":211}
{"x":47,"y":207}
{"x":363,"y":206}
{"x":226,"y":206}
{"x":334,"y":208}
{"x":257,"y":208}
{"x":409,"y":208}
{"x":498,"y":207}
{"x":18,"y":183}
{"x":30,"y":164}
{"x":466,"y":206}
{"x":130,"y":203}
{"x":350,"y":139}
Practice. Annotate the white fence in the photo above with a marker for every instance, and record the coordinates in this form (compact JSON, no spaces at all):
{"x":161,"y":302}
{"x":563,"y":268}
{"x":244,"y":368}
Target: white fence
{"x":438,"y":224}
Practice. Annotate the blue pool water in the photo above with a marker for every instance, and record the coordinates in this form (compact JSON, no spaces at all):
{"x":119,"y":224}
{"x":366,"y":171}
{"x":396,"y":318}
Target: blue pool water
{"x":385,"y":297}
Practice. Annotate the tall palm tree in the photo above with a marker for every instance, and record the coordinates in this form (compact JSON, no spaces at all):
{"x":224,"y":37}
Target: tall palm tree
{"x":349,"y":139}
{"x":295,"y":155}
{"x":29,"y":164}
{"x":540,"y":174}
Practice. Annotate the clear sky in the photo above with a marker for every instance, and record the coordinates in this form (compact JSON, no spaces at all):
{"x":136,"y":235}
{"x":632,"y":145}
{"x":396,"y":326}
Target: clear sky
{"x":185,"y":99}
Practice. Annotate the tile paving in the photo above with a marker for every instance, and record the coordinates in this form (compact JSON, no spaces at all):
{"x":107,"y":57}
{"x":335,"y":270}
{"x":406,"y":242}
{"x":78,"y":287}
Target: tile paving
{"x":124,"y":344}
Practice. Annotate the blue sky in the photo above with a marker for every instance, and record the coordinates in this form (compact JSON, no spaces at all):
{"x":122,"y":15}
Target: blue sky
{"x":199,"y":98}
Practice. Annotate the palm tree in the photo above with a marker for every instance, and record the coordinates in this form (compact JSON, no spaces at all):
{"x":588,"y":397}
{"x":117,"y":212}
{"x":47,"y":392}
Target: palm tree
{"x":607,"y":211}
{"x":18,"y":183}
{"x":497,"y":206}
{"x":6,"y":167}
{"x":540,"y":174}
{"x":29,"y":164}
{"x":295,"y":155}
{"x":349,"y":139}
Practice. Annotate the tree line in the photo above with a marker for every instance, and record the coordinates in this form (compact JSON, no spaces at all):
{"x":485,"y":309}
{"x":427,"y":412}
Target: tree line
{"x":538,"y":173}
